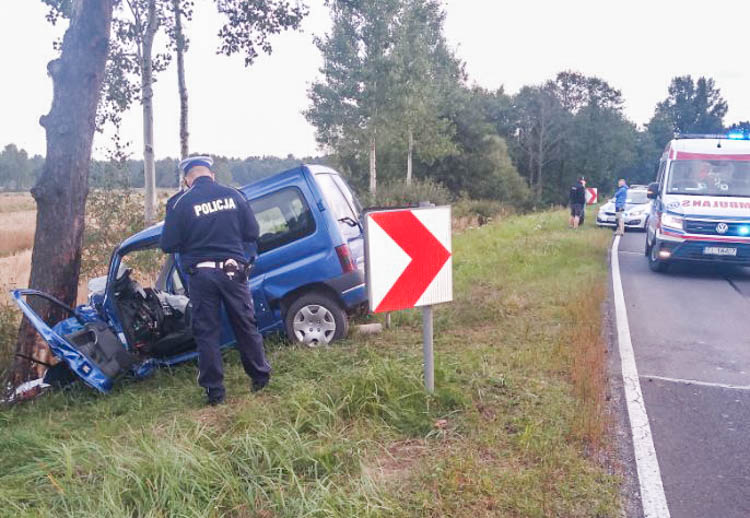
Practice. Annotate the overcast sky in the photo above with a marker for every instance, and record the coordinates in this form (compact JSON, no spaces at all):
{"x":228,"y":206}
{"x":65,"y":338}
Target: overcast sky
{"x":636,"y":45}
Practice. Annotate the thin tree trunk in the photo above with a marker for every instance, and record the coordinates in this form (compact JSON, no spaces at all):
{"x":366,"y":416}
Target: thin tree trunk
{"x":409,"y":156}
{"x":181,"y":85}
{"x":373,"y":167}
{"x":61,"y":191}
{"x":540,"y":162}
{"x":147,"y":92}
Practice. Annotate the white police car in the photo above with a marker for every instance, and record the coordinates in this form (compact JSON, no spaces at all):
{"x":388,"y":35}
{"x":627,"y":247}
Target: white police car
{"x":637,"y":209}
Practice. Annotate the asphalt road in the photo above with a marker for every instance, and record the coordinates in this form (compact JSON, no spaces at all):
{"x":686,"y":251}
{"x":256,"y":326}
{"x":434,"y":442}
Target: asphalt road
{"x":690,"y":330}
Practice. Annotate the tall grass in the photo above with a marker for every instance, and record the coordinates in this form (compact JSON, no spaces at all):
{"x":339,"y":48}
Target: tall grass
{"x":16,"y":202}
{"x":348,"y":430}
{"x":18,"y":232}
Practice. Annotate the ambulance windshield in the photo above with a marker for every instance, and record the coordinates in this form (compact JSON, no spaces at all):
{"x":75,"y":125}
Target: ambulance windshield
{"x":709,"y":178}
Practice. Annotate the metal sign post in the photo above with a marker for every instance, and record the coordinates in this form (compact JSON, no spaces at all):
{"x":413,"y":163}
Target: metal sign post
{"x":429,"y":357}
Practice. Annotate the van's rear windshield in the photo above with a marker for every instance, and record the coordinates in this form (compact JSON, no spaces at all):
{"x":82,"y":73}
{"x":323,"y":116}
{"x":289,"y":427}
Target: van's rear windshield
{"x":709,"y":178}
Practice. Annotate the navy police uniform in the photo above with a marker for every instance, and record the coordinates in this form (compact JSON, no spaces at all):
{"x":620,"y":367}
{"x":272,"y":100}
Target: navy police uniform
{"x":212,"y":227}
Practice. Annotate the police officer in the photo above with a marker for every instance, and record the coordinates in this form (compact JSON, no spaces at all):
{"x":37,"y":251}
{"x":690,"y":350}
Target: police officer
{"x":210,"y":225}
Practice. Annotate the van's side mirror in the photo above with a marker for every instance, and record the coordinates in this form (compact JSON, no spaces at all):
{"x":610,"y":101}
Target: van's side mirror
{"x":653,"y":190}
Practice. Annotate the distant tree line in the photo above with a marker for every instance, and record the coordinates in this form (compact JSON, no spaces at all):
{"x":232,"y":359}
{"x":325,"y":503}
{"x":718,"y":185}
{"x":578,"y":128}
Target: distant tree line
{"x":19,"y":171}
{"x":393,"y":104}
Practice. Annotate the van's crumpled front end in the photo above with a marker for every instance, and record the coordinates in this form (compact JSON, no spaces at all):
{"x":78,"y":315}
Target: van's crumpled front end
{"x":57,"y":337}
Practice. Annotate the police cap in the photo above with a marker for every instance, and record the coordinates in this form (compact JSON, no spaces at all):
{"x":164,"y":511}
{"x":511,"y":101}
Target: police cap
{"x":193,"y":161}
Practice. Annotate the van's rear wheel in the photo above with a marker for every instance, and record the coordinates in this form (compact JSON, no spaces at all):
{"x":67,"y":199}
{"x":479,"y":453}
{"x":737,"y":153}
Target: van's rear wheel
{"x":654,"y":262}
{"x":315,"y":319}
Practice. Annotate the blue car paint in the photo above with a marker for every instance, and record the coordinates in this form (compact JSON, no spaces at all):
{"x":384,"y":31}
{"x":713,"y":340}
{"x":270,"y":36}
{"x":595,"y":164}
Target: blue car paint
{"x":308,"y":263}
{"x":60,"y":347}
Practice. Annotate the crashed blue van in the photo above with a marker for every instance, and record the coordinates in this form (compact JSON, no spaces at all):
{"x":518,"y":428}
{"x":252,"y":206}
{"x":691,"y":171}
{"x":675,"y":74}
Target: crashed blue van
{"x":307,"y":278}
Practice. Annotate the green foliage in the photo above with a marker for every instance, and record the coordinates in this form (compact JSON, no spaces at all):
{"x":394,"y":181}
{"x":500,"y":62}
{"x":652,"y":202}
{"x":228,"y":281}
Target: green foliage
{"x":569,"y":127}
{"x":113,"y":212}
{"x":18,"y":171}
{"x":249,"y":24}
{"x":350,"y":105}
{"x":482,"y":168}
{"x":424,"y":69}
{"x":691,"y":107}
{"x":483,"y":210}
{"x":397,"y":194}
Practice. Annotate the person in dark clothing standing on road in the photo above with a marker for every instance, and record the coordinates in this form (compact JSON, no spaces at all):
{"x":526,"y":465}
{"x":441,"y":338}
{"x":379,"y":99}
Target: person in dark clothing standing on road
{"x":209,"y":226}
{"x":577,"y":199}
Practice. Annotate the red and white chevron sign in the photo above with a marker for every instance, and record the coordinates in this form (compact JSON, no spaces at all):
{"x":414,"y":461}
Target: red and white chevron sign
{"x":408,"y":260}
{"x":592,"y":196}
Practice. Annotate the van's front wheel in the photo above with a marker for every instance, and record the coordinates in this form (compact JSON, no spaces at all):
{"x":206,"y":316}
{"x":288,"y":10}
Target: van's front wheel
{"x":654,"y":262}
{"x":315,"y":319}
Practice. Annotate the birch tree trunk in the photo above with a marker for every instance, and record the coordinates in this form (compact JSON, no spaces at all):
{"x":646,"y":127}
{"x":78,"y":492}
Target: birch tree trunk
{"x":409,"y":156}
{"x":540,"y":160}
{"x":181,"y":85}
{"x":373,"y":167}
{"x":61,"y":191}
{"x":147,"y":83}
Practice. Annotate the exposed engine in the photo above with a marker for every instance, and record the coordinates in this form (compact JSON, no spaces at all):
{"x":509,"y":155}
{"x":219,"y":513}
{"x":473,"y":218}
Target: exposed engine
{"x":155,"y":323}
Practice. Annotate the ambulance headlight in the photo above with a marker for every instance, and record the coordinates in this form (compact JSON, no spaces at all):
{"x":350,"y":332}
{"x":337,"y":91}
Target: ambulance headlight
{"x":668,"y":220}
{"x":744,"y":230}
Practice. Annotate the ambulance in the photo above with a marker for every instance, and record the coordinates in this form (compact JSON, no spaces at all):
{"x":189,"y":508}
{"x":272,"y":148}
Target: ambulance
{"x":701,"y":208}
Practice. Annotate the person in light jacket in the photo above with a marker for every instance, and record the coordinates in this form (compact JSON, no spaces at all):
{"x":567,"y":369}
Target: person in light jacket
{"x":621,"y":197}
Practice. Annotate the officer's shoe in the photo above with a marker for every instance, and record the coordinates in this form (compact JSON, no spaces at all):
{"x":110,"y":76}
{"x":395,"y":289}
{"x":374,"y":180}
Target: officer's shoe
{"x":215,"y":397}
{"x":257,"y":386}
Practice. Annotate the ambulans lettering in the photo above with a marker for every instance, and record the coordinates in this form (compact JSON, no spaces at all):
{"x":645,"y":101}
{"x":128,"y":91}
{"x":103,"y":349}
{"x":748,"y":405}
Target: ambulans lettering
{"x":201,"y":209}
{"x":717,"y":204}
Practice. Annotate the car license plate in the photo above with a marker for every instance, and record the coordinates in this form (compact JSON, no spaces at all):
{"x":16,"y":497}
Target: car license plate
{"x":611,"y":219}
{"x":719,"y":250}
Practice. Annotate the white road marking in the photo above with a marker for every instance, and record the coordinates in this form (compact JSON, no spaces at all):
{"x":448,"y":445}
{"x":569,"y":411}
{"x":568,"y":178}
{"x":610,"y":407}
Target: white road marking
{"x":653,"y":499}
{"x":696,"y":382}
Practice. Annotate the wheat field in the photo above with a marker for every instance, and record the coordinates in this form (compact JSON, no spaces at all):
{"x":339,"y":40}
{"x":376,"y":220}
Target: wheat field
{"x":16,"y":240}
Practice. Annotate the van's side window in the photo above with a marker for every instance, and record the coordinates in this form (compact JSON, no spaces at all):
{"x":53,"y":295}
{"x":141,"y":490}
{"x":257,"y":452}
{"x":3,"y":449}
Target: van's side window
{"x":660,"y":175}
{"x":283,"y":217}
{"x":343,"y":208}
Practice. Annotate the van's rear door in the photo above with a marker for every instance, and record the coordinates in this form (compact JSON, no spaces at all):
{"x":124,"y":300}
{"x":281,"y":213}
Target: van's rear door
{"x":347,"y":211}
{"x":90,"y":349}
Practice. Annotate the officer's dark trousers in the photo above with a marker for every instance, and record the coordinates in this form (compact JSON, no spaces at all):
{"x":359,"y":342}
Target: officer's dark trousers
{"x":209,"y":287}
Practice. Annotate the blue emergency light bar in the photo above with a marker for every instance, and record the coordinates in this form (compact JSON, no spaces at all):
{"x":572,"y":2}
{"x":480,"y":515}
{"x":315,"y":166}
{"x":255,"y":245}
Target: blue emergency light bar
{"x":732,"y":135}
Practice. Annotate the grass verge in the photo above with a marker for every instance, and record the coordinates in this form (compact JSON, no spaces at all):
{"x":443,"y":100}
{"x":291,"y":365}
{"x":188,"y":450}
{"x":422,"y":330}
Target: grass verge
{"x":348,"y":430}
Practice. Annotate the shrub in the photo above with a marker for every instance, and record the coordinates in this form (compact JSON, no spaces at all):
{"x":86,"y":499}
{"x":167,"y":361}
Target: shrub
{"x":484,"y":209}
{"x":398,"y":194}
{"x":9,"y":322}
{"x":113,"y":213}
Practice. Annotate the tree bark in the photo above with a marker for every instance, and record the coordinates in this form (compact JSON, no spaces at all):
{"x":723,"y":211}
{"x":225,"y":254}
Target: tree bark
{"x":61,"y":191}
{"x":409,"y":156}
{"x":373,"y":167}
{"x":181,"y":85}
{"x":147,"y":82}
